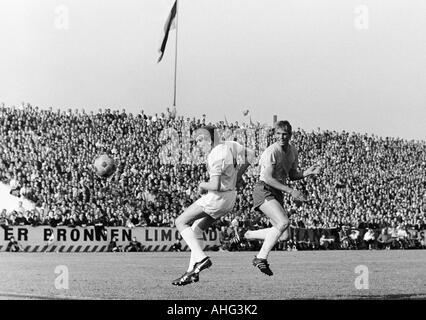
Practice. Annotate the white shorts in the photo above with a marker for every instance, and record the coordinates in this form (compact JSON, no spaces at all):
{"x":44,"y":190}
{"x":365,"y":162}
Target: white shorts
{"x":217,"y":204}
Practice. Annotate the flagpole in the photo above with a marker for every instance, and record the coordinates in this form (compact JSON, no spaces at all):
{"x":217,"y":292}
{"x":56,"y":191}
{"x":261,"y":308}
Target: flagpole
{"x":177,"y":17}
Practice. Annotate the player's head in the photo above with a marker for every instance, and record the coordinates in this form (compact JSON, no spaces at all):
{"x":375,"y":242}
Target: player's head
{"x":283,"y":132}
{"x":206,"y":138}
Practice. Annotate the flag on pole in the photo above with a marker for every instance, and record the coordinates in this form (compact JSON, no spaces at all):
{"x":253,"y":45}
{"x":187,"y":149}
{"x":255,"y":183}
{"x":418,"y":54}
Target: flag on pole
{"x":170,"y":24}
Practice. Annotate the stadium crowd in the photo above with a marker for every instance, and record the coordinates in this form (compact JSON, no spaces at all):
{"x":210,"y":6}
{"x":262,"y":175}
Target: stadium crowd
{"x":46,"y":156}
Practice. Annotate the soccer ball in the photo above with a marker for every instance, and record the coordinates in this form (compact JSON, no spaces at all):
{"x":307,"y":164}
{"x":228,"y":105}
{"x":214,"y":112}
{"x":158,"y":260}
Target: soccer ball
{"x":104,"y":166}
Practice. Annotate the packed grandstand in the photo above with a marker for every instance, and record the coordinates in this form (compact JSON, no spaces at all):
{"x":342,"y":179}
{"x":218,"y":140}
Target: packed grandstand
{"x":46,"y":156}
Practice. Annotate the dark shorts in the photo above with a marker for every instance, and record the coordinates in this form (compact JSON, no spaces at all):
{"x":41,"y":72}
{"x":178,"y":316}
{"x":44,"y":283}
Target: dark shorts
{"x":263,"y":192}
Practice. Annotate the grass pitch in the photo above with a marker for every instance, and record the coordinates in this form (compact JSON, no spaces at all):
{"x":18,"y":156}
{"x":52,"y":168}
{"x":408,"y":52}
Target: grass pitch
{"x":395,"y":274}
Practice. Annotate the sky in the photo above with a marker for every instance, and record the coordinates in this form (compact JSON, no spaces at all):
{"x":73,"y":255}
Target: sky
{"x":358,"y":66}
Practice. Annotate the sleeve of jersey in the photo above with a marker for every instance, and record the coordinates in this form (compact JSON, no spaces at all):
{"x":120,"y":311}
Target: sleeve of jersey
{"x":216,"y":162}
{"x":268,"y":158}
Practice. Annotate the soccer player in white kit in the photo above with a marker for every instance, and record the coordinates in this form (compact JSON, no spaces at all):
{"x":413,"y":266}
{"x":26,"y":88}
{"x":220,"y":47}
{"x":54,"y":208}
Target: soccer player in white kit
{"x":220,"y":198}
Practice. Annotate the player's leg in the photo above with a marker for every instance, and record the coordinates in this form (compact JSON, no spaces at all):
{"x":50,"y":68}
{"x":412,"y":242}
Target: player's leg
{"x":261,"y":195}
{"x":191,"y":237}
{"x":276,"y":213}
{"x":260,"y":234}
{"x":256,"y":234}
{"x":201,"y":215}
{"x":199,"y":226}
{"x":183,"y":224}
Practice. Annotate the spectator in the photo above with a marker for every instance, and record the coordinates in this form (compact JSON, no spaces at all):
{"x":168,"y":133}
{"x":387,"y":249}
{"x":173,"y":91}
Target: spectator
{"x":423,"y":243}
{"x":177,"y":246}
{"x":369,"y":238}
{"x":62,"y":220}
{"x":15,"y":186}
{"x":344,"y":237}
{"x":54,"y":220}
{"x":133,"y":246}
{"x":113,"y":246}
{"x":3,"y":218}
{"x":20,"y":208}
{"x":82,"y":220}
{"x":20,"y":219}
{"x":326,"y":242}
{"x":99,"y":221}
{"x":112,"y":220}
{"x":402,"y":237}
{"x":46,"y":157}
{"x":30,"y":219}
{"x":129,"y":222}
{"x":13,"y":246}
{"x":353,"y":239}
{"x":384,"y":240}
{"x":72,"y":223}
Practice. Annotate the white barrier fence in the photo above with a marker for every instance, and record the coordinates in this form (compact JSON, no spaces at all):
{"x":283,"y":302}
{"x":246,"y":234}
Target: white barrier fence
{"x":91,"y":239}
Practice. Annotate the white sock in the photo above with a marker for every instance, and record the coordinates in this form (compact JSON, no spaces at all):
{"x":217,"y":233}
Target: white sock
{"x":271,"y":239}
{"x":256,"y":234}
{"x":191,"y":240}
{"x":199,"y":236}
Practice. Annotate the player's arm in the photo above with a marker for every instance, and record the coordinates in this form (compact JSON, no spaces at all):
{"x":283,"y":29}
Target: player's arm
{"x":294,"y":174}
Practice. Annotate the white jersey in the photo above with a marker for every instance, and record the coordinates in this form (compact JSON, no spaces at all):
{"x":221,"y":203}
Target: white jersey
{"x":222,"y":161}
